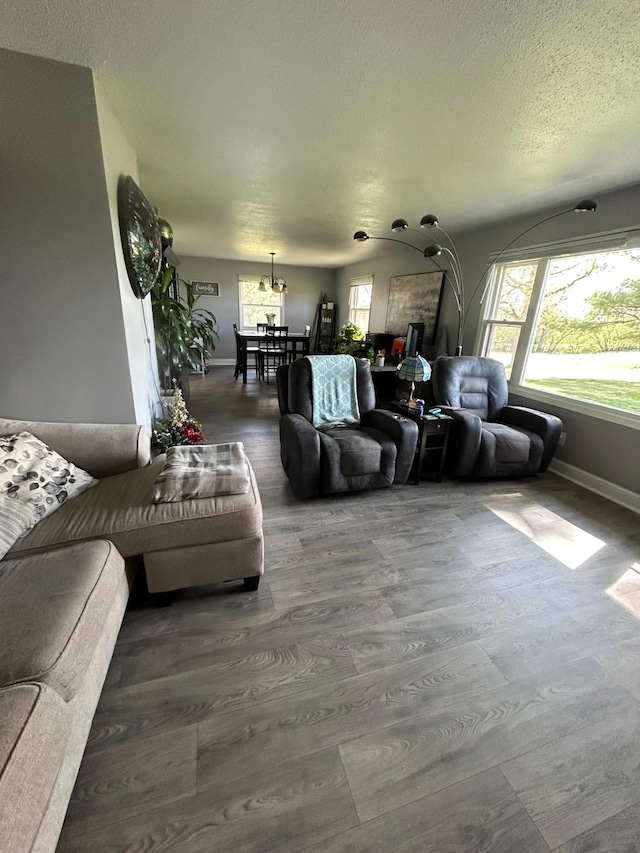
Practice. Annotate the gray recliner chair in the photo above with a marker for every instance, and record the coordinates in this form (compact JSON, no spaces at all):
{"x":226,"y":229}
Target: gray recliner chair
{"x":489,"y":438}
{"x":375,"y":453}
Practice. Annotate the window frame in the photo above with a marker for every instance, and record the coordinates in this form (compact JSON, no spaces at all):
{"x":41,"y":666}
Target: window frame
{"x":360,"y":281}
{"x":255,"y":279}
{"x":542,"y":256}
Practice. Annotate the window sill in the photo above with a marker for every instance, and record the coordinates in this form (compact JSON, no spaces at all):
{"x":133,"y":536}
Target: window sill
{"x":583,"y":407}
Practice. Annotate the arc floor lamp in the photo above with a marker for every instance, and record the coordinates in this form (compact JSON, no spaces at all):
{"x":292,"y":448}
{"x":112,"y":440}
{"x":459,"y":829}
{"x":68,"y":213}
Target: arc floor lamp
{"x":453,"y":276}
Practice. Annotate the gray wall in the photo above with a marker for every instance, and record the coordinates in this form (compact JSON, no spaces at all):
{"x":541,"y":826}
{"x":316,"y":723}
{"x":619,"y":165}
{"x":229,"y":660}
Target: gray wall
{"x":305,"y":285}
{"x":392,"y":262}
{"x":62,"y":338}
{"x":120,"y":159}
{"x":607,"y":450}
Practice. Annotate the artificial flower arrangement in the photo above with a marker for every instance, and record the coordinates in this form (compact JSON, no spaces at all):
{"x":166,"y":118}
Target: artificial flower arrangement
{"x":179,"y":428}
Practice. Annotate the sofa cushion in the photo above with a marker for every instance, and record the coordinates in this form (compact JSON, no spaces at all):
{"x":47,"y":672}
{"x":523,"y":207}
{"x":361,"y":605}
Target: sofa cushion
{"x":34,"y":730}
{"x":359,"y":453}
{"x":101,"y":449}
{"x":120,"y":509}
{"x":16,"y":519}
{"x":53,"y":609}
{"x":511,"y":444}
{"x":333,"y":478}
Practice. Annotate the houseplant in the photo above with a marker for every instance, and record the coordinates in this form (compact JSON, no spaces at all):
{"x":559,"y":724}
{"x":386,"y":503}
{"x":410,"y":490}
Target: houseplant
{"x":350,"y":339}
{"x":184,"y":333}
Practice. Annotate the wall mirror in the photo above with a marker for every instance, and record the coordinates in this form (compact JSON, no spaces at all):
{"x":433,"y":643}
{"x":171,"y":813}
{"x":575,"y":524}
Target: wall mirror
{"x":140,"y":234}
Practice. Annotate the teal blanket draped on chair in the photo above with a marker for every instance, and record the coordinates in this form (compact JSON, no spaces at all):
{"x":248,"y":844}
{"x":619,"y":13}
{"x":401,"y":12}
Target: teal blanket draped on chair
{"x":333,"y":390}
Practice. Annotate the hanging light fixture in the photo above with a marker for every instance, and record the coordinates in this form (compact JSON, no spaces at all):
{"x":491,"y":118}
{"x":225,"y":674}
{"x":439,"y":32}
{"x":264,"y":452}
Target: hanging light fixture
{"x":455,"y":280}
{"x":277,"y":284}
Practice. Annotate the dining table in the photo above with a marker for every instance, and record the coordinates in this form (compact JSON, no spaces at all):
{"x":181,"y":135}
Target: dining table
{"x":299,"y":340}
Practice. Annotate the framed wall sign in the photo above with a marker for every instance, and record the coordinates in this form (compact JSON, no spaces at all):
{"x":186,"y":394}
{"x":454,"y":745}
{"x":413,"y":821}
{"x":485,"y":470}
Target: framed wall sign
{"x":206,"y":288}
{"x":415,"y":299}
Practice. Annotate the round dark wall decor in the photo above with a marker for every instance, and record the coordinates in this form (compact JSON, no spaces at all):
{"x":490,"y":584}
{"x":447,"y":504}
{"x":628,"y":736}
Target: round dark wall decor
{"x":140,"y":234}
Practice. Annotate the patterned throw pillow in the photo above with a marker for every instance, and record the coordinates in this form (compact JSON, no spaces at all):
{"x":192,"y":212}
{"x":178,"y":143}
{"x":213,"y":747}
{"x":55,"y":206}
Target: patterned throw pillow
{"x":36,"y":478}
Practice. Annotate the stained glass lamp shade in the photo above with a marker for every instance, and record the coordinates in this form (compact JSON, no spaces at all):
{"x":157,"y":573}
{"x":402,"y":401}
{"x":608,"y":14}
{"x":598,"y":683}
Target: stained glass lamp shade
{"x":414,"y":369}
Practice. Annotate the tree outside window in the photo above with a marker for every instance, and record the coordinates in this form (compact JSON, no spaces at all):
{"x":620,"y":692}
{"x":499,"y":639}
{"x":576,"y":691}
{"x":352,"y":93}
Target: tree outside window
{"x":570,"y":325}
{"x":255,"y":304}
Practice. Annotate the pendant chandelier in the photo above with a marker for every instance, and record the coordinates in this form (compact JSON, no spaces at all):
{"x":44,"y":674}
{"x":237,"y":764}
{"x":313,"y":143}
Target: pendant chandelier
{"x":277,"y":284}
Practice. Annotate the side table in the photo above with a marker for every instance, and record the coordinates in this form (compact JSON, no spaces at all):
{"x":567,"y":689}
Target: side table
{"x":433,"y":437}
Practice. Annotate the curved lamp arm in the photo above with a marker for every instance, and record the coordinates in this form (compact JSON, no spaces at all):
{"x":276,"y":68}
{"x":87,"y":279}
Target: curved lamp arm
{"x":455,"y":281}
{"x":586,"y":206}
{"x":460,"y":285}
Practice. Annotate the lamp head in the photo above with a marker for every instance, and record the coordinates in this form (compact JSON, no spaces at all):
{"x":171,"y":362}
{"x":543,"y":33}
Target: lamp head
{"x":415,"y":368}
{"x":399,"y":225}
{"x":429,"y":221}
{"x":361,"y":236}
{"x":432,"y":250}
{"x":587,"y":205}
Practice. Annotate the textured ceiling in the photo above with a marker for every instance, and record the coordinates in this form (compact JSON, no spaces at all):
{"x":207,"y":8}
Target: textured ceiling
{"x":286,"y":125}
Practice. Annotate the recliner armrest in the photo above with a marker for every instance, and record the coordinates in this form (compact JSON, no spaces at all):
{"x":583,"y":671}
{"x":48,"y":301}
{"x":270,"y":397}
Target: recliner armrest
{"x":464,"y":442}
{"x":404,"y":434}
{"x":548,"y":427}
{"x":395,"y":426}
{"x":300,"y":455}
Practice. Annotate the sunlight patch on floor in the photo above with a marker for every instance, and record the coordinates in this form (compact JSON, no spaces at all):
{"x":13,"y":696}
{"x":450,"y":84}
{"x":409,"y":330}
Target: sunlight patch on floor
{"x":626,"y":590}
{"x":567,"y":542}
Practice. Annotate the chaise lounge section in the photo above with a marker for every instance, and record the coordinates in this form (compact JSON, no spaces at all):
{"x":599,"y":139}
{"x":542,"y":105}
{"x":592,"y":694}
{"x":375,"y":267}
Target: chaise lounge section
{"x":183,"y":544}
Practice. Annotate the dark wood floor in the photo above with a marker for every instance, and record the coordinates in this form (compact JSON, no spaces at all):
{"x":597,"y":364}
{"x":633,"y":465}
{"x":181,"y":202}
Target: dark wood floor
{"x":418,"y":672}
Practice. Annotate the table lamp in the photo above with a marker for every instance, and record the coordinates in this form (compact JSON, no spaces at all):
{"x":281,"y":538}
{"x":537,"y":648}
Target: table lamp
{"x":414,"y":369}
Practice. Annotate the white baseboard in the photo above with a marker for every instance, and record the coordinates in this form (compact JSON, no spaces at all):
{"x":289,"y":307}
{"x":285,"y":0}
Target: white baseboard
{"x":605,"y":488}
{"x":214,"y":362}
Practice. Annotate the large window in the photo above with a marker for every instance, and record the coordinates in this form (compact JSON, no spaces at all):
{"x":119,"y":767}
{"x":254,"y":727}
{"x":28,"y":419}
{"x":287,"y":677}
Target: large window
{"x":256,"y":304}
{"x":360,"y":295}
{"x":569,"y":325}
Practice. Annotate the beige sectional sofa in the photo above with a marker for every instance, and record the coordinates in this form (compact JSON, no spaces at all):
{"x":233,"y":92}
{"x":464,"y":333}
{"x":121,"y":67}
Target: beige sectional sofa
{"x":63,"y":593}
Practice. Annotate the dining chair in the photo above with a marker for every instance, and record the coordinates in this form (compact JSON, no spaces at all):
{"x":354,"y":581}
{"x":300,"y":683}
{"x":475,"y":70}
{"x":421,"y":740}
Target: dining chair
{"x":244,"y":352}
{"x":296,"y":348}
{"x":272,"y":350}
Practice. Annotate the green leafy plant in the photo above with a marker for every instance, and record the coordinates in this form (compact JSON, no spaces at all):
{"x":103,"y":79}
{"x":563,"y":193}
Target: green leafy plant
{"x":184,"y":333}
{"x":350,"y":339}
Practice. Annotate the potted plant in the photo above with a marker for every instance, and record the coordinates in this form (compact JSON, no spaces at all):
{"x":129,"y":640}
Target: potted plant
{"x":350,"y":339}
{"x":184,"y":333}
